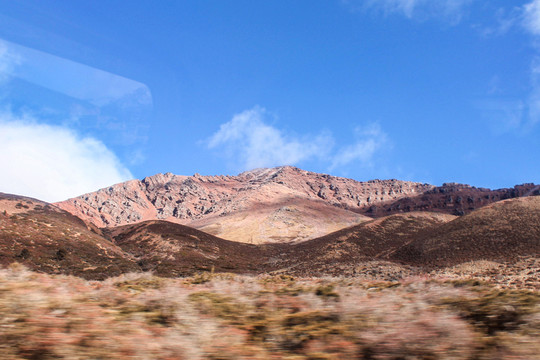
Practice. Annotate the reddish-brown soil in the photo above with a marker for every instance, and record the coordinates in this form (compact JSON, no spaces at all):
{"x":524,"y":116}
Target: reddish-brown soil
{"x":46,"y":238}
{"x":279,"y":205}
{"x":170,"y":249}
{"x":502,"y":237}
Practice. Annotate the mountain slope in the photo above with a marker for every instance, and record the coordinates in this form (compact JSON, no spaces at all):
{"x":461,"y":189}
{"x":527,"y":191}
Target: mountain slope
{"x":502,"y":231}
{"x":288,"y":222}
{"x":170,"y":249}
{"x":46,"y":238}
{"x":207,"y":202}
{"x":355,"y":249}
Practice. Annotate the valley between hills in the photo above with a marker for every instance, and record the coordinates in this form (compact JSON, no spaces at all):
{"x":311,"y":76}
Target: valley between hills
{"x":277,"y":221}
{"x":284,"y":263}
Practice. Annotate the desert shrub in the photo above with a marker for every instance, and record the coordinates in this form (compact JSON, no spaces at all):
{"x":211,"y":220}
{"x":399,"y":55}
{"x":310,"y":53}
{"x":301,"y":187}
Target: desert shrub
{"x":140,"y":316}
{"x":496,"y":310}
{"x":326,"y":291}
{"x":218,"y":305}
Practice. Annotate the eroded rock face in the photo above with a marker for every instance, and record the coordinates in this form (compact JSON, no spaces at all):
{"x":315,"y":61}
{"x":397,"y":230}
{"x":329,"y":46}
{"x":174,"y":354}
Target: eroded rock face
{"x":249,"y":207}
{"x":452,"y":198}
{"x":199,"y":199}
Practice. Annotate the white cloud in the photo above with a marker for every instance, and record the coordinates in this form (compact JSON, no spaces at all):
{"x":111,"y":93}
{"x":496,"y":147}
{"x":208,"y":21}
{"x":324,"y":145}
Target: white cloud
{"x":449,"y":10}
{"x":369,"y":141}
{"x":251,"y":143}
{"x":531,"y":17}
{"x":53,"y":163}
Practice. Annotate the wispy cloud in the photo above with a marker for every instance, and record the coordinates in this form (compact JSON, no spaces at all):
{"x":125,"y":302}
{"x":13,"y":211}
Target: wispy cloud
{"x":534,"y":96}
{"x":53,"y":163}
{"x":254,"y":143}
{"x":369,"y":140}
{"x":522,"y":115}
{"x":503,"y":115}
{"x":531,"y":17}
{"x":517,"y":115}
{"x":8,"y":61}
{"x":531,"y":22}
{"x":448,"y":10}
{"x":248,"y":141}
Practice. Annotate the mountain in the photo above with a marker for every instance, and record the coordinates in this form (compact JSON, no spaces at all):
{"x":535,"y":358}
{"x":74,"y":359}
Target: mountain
{"x":170,"y":249}
{"x":278,"y":205}
{"x":452,"y":198}
{"x":264,"y":205}
{"x":504,"y":231}
{"x":362,"y":249}
{"x":48,"y":239}
{"x":504,"y":235}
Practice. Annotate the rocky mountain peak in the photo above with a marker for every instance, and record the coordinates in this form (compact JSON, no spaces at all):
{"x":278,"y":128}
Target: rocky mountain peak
{"x":199,"y":199}
{"x":219,"y":203}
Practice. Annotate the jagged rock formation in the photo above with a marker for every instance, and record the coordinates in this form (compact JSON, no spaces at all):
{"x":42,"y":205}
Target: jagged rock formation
{"x":290,"y":203}
{"x":283,"y":204}
{"x":452,"y":198}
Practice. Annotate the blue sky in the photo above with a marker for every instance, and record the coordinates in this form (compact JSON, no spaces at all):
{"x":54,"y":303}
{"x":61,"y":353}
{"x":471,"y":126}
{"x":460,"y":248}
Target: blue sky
{"x":93,"y":93}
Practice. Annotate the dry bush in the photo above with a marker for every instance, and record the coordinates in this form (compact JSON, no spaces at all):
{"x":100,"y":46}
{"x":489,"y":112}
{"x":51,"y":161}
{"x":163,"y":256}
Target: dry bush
{"x":141,"y":316}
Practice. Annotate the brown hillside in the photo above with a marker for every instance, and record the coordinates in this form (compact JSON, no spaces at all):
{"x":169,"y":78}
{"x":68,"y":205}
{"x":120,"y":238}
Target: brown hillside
{"x":169,"y":249}
{"x":364,"y":248}
{"x":502,"y":231}
{"x":451,"y":198}
{"x":48,"y":239}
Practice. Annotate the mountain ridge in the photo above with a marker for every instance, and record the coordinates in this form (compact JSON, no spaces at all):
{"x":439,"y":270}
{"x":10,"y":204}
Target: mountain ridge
{"x":281,"y":204}
{"x":192,"y":200}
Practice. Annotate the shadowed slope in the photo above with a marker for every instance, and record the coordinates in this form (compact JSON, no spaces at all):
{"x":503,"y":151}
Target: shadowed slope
{"x":46,"y":238}
{"x":170,"y":249}
{"x":503,"y":231}
{"x":344,"y":251}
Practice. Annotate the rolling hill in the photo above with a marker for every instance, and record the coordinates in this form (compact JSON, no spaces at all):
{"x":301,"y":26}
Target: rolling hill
{"x":48,"y":239}
{"x":278,"y":205}
{"x":503,"y":231}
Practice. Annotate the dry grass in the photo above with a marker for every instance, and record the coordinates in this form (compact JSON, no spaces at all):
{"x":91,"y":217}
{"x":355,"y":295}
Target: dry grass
{"x":224,"y":316}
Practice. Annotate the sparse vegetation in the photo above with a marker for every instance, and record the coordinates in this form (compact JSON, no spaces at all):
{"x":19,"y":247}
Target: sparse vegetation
{"x":239,"y":317}
{"x":337,"y":297}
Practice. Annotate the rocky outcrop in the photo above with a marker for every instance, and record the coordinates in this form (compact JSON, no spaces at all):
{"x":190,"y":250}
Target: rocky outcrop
{"x":191,"y":200}
{"x":250,"y":207}
{"x":452,"y":198}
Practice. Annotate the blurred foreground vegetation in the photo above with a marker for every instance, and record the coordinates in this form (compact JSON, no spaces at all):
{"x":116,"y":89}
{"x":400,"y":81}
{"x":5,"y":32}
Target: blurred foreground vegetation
{"x":224,"y":316}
